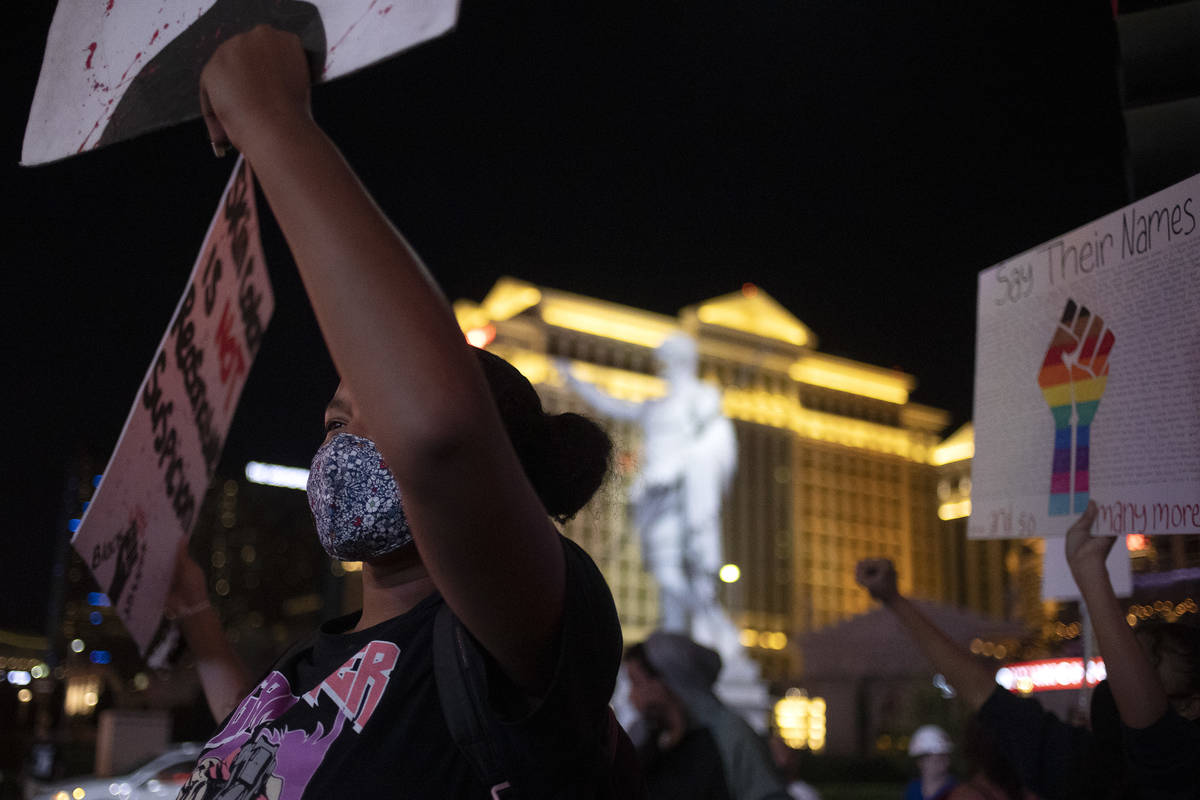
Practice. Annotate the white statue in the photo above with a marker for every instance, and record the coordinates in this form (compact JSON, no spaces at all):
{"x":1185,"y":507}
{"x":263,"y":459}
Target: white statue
{"x":689,"y":453}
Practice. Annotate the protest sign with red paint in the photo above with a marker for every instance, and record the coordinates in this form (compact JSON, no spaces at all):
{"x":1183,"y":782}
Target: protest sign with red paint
{"x":114,"y":69}
{"x":168,"y":450}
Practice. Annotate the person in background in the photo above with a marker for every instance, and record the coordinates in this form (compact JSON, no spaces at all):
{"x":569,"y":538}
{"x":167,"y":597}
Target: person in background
{"x":679,"y":759}
{"x":1144,"y":741}
{"x":671,"y":680}
{"x":930,"y":747}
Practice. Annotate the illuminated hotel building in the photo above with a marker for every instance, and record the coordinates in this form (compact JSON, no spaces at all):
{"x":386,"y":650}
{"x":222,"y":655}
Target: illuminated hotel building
{"x":834,"y":464}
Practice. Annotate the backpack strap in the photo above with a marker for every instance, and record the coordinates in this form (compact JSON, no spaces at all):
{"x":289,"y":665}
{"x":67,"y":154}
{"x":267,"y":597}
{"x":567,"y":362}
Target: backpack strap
{"x":461,"y":678}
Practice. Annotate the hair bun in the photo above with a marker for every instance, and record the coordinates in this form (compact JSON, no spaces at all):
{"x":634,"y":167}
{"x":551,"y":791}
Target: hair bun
{"x":572,"y":463}
{"x":565,"y":456}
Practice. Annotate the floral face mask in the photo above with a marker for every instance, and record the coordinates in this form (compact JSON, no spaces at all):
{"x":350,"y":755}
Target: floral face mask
{"x":355,"y":501}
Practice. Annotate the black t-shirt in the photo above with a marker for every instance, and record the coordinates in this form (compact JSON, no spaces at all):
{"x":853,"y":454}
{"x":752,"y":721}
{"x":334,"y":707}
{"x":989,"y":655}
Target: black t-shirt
{"x":358,"y":715}
{"x":690,"y":770}
{"x":1060,"y":761}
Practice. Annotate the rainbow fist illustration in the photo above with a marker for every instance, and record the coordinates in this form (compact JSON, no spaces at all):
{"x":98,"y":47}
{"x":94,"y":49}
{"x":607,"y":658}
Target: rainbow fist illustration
{"x":1073,"y":376}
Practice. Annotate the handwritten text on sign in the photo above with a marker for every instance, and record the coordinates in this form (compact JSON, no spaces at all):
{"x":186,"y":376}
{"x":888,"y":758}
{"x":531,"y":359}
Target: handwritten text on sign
{"x":1087,"y":383}
{"x":174,"y":434}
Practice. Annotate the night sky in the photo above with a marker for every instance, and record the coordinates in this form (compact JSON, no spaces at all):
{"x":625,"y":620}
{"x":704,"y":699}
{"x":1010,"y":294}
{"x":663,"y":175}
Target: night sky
{"x":860,"y":162}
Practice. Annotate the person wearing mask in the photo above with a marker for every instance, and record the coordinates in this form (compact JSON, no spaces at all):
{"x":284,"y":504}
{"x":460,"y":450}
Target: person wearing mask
{"x":439,"y":471}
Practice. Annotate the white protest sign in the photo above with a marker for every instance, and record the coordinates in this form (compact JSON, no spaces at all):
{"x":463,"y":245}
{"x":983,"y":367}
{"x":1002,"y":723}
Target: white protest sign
{"x":116,"y":68}
{"x":160,"y":469}
{"x":1087,"y":377}
{"x":1059,"y":584}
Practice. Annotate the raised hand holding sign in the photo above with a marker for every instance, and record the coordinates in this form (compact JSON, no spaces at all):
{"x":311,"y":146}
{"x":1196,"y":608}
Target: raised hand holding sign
{"x":113,"y":71}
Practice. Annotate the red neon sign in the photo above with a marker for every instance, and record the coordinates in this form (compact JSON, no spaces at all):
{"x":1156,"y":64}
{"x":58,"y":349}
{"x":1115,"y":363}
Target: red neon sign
{"x":1050,"y":674}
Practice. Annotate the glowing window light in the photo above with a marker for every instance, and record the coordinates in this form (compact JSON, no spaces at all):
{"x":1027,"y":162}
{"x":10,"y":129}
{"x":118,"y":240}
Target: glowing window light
{"x":78,"y":793}
{"x":19,"y":677}
{"x":39,"y":671}
{"x":730,"y":573}
{"x":607,"y":321}
{"x":852,"y":378}
{"x":1136,"y":541}
{"x":801,"y":720}
{"x":748,"y":637}
{"x":950,"y":451}
{"x":24,"y":695}
{"x":949,"y":511}
{"x":277,"y":475}
{"x":77,"y":645}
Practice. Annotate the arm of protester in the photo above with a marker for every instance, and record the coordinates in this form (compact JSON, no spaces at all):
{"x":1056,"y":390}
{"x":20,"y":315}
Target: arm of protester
{"x":973,"y":681}
{"x":480,"y":529}
{"x":223,"y":676}
{"x":1136,"y":686}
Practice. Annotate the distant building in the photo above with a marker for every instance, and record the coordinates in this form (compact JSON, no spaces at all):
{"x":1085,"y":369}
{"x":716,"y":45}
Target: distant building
{"x":835,"y":462}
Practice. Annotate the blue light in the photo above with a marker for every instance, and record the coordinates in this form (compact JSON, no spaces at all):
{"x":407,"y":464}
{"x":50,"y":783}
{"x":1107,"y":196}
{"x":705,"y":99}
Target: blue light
{"x":96,"y":480}
{"x":98,"y":599}
{"x":95,"y":618}
{"x":100,"y":657}
{"x":86,"y":503}
{"x":73,"y":525}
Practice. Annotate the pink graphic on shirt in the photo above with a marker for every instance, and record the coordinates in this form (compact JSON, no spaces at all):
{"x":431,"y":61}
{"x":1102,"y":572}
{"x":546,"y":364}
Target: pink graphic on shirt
{"x":259,"y":756}
{"x":358,"y":685}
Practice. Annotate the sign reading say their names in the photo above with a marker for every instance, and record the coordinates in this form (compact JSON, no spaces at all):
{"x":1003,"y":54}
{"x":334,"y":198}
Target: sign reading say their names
{"x":1087,"y":381}
{"x":160,"y":469}
{"x":114,"y":69}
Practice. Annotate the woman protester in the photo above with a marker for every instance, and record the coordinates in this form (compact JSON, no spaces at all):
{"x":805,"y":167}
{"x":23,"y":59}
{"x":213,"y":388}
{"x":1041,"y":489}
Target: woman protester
{"x":440,"y":472}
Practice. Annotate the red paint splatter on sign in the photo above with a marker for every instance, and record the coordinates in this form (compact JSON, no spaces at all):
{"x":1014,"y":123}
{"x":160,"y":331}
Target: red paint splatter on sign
{"x":353,"y":25}
{"x":108,"y":8}
{"x":152,"y":38}
{"x":91,"y":48}
{"x":136,"y":59}
{"x":386,"y":10}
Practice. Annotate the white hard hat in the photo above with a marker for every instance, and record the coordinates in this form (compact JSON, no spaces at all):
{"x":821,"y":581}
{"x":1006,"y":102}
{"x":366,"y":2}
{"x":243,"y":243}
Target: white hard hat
{"x":929,"y":740}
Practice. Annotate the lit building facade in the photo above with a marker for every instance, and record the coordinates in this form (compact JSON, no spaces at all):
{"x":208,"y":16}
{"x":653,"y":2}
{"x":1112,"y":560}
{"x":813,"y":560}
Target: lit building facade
{"x":835,"y":463}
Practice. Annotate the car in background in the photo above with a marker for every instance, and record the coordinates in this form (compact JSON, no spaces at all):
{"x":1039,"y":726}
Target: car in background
{"x":158,"y":778}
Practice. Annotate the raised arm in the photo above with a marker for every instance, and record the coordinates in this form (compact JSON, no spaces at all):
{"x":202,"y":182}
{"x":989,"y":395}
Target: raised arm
{"x":1135,"y":684}
{"x":223,"y":676}
{"x":601,"y":401}
{"x":973,"y":681}
{"x":481,"y":531}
